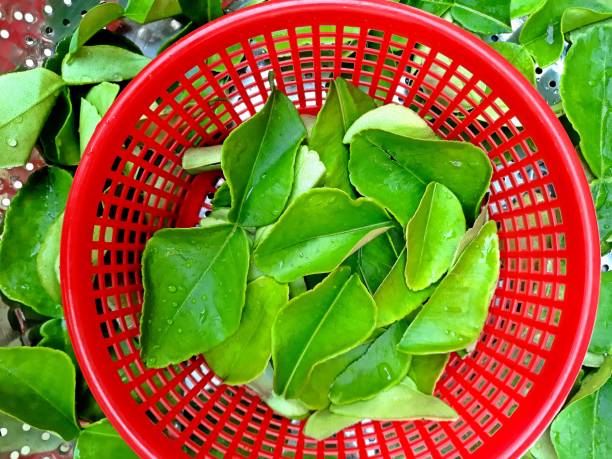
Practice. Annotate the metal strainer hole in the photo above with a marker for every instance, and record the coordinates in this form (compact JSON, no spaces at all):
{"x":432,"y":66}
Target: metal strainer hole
{"x":4,"y":34}
{"x":66,"y":22}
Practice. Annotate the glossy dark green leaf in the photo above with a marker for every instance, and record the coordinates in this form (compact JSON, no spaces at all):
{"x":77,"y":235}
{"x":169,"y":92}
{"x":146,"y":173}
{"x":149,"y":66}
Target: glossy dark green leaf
{"x":425,"y":370}
{"x":432,"y":236}
{"x":395,"y":170}
{"x":54,"y":63}
{"x":520,"y":8}
{"x":518,"y":56}
{"x":394,"y":299}
{"x":344,"y":104}
{"x":26,"y":99}
{"x":306,"y":330}
{"x":32,"y":213}
{"x":258,"y":159}
{"x":316,"y":391}
{"x":194,"y":288}
{"x":95,"y":19}
{"x":202,"y":159}
{"x":93,"y":107}
{"x":542,"y":34}
{"x":601,"y":339}
{"x":324,"y":424}
{"x":222,"y":197}
{"x":393,"y":118}
{"x":401,"y":402}
{"x":381,"y":367}
{"x":319,"y":230}
{"x":55,"y":335}
{"x":244,"y":355}
{"x":602,"y":197}
{"x":582,"y":429}
{"x":586,"y":95}
{"x":593,"y":381}
{"x":59,"y":138}
{"x":95,"y":64}
{"x":145,"y":11}
{"x":37,"y":386}
{"x":201,"y":11}
{"x":375,"y":260}
{"x":101,"y":441}
{"x":456,"y":312}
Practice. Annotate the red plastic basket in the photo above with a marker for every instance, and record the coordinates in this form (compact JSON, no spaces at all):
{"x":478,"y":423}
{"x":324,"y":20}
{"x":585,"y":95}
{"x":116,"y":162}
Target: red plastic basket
{"x":130,"y":184}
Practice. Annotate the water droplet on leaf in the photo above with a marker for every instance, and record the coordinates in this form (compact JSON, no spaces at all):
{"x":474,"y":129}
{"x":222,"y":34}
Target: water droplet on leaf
{"x":11,"y":142}
{"x":172,"y":288}
{"x":384,"y":371}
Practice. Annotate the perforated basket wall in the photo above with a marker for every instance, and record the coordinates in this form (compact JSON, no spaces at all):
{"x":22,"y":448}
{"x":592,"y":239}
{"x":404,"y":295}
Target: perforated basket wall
{"x":131,"y":184}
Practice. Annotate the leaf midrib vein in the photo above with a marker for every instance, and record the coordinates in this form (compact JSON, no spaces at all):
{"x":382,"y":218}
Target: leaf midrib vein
{"x":314,"y":334}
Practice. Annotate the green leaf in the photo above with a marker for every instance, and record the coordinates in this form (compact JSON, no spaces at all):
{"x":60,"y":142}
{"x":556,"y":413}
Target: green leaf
{"x":437,"y":7}
{"x":101,"y":441}
{"x":425,"y":370}
{"x":344,"y":104}
{"x":432,"y":236}
{"x":32,"y":213}
{"x":94,"y":64}
{"x":519,"y":57}
{"x":601,"y":339}
{"x":59,"y":138}
{"x":381,"y":367}
{"x":520,"y":8}
{"x":145,"y":11}
{"x":202,"y":159}
{"x":402,"y":402}
{"x":289,"y":408}
{"x":319,"y":229}
{"x":587,"y":95}
{"x":602,"y":197}
{"x":375,"y":260}
{"x":456,"y":312}
{"x":543,"y":447}
{"x":47,"y":260}
{"x":306,"y":330}
{"x":394,"y":299}
{"x":393,"y":118}
{"x":592,"y":360}
{"x":93,"y":107}
{"x":54,"y":63}
{"x":181,"y":33}
{"x":542,"y":34}
{"x":395,"y":170}
{"x":95,"y":19}
{"x":55,"y":335}
{"x":323,"y":424}
{"x":244,"y":355}
{"x":483,"y":16}
{"x":582,"y":430}
{"x":194,"y":288}
{"x":201,"y":11}
{"x":37,"y":386}
{"x":593,"y":381}
{"x":26,"y":99}
{"x":222,"y":197}
{"x":315,"y":394}
{"x":309,"y":171}
{"x":89,"y":118}
{"x":14,"y":437}
{"x":258,"y":159}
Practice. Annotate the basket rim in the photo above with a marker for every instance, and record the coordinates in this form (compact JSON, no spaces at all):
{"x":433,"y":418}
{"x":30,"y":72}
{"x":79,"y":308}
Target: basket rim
{"x":558,"y":389}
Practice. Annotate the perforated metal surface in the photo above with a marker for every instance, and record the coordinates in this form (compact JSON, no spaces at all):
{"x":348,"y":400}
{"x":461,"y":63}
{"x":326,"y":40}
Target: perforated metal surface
{"x":131,"y":184}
